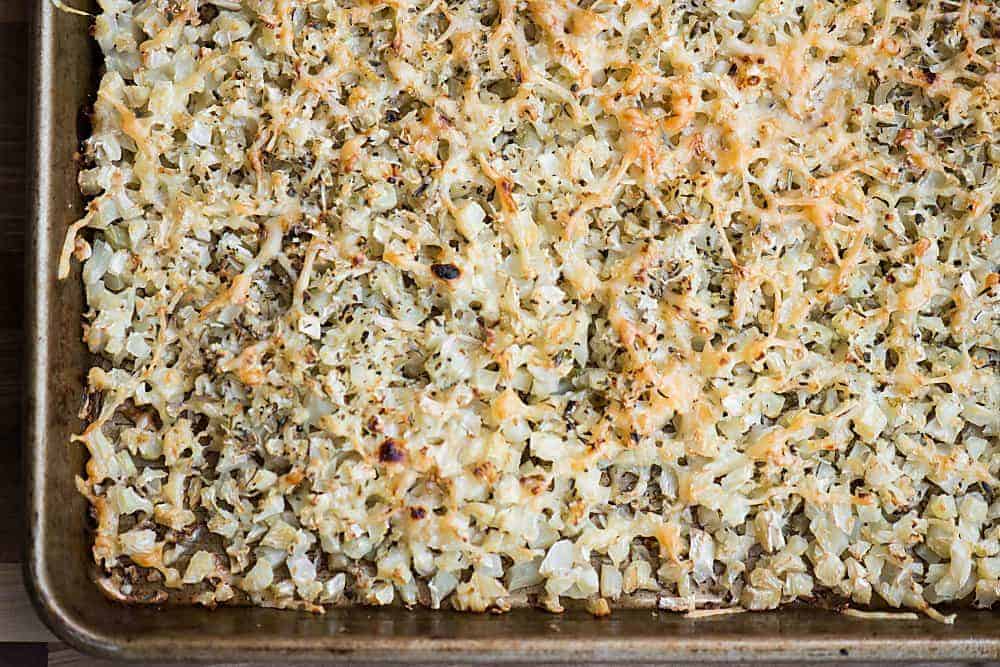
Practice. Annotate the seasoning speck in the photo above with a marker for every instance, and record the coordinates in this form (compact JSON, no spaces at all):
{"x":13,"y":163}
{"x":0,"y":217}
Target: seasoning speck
{"x":390,"y":451}
{"x":446,"y":271}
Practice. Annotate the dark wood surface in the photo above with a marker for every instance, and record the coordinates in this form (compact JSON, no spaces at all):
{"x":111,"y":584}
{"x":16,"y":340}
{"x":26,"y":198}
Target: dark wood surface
{"x":13,"y":212}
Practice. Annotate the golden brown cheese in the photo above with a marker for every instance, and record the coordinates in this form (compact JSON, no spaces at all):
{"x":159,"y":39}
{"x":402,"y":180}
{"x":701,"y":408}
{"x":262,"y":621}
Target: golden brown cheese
{"x":473,"y":303}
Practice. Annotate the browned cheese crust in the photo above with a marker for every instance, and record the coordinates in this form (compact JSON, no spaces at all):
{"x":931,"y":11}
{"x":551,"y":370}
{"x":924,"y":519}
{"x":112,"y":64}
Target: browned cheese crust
{"x":474,"y":303}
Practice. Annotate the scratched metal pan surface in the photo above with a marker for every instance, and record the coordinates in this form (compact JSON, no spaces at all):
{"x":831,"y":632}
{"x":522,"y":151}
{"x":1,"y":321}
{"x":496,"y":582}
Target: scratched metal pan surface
{"x":61,"y":576}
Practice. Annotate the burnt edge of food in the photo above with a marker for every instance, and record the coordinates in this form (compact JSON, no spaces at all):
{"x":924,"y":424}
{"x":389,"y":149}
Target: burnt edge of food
{"x":391,"y":451}
{"x":446,"y":271}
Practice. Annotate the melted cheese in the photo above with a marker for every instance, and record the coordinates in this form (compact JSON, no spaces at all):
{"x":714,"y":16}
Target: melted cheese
{"x":456,"y":302}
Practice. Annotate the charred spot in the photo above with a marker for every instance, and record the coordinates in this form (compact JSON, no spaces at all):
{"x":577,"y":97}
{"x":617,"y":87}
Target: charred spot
{"x":929,"y":76}
{"x":92,"y":402}
{"x":446,"y":271}
{"x":207,"y":13}
{"x":391,"y":116}
{"x":417,"y":513}
{"x":391,"y":451}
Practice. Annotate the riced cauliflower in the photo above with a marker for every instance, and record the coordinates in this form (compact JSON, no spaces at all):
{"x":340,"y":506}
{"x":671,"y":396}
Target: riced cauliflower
{"x":482,"y":303}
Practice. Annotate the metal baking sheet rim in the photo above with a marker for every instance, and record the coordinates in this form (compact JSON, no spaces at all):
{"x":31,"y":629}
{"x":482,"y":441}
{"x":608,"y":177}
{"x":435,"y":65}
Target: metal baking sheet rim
{"x":59,"y":574}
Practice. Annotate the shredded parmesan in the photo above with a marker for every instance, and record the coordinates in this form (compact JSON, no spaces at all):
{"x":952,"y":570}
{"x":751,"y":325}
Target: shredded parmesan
{"x":710,"y":613}
{"x":465,"y":302}
{"x":881,"y":615}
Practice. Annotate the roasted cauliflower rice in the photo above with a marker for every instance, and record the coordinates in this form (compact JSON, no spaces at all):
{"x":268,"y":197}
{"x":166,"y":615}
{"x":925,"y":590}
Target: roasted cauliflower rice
{"x":484,"y":303}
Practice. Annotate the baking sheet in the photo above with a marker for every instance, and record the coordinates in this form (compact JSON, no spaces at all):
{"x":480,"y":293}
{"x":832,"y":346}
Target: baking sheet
{"x":61,"y":575}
